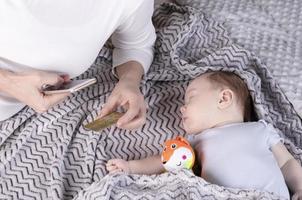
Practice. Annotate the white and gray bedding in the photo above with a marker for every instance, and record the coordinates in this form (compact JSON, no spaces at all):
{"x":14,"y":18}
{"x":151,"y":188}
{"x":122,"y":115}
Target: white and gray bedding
{"x":270,"y":28}
{"x":52,"y":156}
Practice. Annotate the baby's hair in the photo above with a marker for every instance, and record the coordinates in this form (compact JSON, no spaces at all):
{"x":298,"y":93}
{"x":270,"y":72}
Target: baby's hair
{"x":236,"y":84}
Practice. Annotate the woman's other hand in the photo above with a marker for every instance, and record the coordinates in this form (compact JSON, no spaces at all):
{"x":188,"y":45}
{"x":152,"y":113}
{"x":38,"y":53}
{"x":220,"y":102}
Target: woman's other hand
{"x":127,"y":94}
{"x":26,"y":87}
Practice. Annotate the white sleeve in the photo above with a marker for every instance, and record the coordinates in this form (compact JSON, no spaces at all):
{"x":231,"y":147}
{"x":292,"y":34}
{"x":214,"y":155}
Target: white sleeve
{"x":134,"y":39}
{"x":272,"y":136}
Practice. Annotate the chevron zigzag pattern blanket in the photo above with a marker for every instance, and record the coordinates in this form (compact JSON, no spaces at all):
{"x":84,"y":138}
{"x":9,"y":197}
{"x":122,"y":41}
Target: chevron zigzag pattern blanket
{"x":270,"y":28}
{"x":51,"y":155}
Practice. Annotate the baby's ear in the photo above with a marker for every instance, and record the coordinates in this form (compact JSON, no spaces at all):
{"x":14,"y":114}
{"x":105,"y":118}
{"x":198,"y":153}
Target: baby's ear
{"x":226,"y":98}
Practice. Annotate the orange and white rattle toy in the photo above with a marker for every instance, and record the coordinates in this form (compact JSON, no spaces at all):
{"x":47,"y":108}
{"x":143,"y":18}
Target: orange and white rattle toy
{"x":177,"y":154}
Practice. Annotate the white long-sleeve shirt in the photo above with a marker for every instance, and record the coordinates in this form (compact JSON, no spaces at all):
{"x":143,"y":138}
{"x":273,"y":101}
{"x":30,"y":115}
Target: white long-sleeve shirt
{"x":66,"y":36}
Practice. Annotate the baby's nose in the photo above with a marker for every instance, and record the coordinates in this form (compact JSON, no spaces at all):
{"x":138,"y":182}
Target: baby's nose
{"x":182,"y":109}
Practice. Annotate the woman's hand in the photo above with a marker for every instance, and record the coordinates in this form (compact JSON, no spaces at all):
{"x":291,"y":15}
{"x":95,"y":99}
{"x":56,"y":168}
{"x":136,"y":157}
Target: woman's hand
{"x":127,"y":95}
{"x":26,"y":87}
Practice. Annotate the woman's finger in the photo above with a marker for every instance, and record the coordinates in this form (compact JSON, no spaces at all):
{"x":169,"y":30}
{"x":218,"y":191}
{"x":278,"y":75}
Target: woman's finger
{"x":136,"y":122}
{"x":44,"y":102}
{"x":131,"y":113}
{"x":51,"y":100}
{"x":109,"y":106}
{"x":51,"y":79}
{"x":65,"y":77}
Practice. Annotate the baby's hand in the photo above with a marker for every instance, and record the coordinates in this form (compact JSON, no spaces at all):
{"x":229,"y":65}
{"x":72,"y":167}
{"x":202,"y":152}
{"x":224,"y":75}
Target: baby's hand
{"x":118,"y":165}
{"x":297,"y":195}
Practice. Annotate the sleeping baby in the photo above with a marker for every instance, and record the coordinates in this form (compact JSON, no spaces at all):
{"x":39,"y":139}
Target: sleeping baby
{"x":234,"y":151}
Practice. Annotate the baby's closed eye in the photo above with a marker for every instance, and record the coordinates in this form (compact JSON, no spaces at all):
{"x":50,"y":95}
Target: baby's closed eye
{"x":188,"y":100}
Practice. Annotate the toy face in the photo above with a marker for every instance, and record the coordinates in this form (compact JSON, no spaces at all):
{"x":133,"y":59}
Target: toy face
{"x":181,"y":158}
{"x":177,"y":154}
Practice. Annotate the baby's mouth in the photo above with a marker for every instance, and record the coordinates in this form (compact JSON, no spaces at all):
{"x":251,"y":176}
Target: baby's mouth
{"x":183,"y":122}
{"x":178,"y":164}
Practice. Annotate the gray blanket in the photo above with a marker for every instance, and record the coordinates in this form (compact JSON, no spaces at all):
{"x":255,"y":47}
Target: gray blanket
{"x":52,"y":156}
{"x":270,"y":28}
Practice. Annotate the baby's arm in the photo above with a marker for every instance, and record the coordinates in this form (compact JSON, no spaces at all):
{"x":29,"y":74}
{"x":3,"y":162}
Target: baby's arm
{"x":150,"y":165}
{"x":291,"y":169}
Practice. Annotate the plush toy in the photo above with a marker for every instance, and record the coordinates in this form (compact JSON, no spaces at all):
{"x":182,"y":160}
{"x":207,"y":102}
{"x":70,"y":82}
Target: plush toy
{"x":177,"y":154}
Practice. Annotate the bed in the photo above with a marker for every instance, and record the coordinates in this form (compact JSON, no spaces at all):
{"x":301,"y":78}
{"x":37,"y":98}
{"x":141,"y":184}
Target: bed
{"x":52,"y":155}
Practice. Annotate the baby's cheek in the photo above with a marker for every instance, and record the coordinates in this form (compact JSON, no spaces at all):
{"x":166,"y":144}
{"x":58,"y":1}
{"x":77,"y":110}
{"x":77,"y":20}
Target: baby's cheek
{"x":198,"y":126}
{"x":187,"y":126}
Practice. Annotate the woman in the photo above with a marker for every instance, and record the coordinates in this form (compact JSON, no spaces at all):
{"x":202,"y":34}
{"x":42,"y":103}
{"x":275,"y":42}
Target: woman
{"x":47,"y":42}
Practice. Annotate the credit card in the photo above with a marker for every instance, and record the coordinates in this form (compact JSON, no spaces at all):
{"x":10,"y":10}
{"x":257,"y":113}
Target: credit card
{"x":104,"y":122}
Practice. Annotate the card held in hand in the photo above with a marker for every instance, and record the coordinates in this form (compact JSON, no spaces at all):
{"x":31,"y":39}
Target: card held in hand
{"x":104,"y":122}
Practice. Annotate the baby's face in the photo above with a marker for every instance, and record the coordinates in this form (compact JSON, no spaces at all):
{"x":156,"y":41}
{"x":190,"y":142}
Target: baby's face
{"x":200,"y":109}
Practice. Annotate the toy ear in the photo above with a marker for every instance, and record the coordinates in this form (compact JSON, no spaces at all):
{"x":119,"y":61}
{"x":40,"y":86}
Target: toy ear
{"x":182,"y":139}
{"x":163,"y":146}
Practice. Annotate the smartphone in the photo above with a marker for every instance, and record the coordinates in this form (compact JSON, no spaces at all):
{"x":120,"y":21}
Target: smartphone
{"x":69,"y":87}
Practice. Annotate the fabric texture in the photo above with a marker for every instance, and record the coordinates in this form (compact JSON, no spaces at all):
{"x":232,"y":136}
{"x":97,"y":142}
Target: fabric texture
{"x":272,"y":29}
{"x":52,"y":156}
